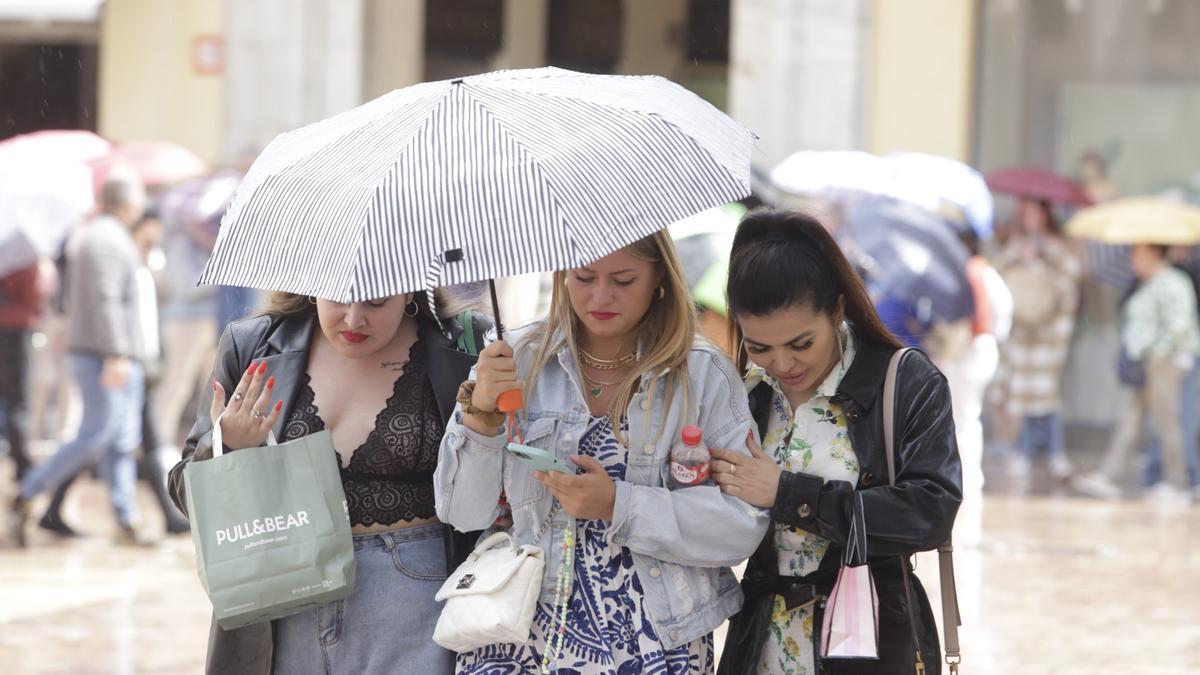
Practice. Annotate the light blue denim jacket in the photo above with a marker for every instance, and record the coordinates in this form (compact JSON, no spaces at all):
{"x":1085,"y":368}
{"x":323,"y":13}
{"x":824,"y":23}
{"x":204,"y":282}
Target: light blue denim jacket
{"x":683,"y":541}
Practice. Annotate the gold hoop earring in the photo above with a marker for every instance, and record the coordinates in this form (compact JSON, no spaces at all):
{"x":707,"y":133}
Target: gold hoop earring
{"x":662,"y":292}
{"x":416,"y":309}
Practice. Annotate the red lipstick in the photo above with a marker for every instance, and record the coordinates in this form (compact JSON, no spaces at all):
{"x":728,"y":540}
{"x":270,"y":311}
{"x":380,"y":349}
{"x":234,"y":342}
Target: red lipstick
{"x":352,"y":337}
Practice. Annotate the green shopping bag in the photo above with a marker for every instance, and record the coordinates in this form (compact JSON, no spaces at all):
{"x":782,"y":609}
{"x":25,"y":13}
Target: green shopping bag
{"x":271,"y":529}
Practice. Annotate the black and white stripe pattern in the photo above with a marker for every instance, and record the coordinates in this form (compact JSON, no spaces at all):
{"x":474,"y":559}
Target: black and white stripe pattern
{"x":497,"y":175}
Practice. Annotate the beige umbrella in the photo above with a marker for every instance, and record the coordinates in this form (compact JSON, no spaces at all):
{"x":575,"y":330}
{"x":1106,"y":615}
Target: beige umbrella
{"x":1138,"y":220}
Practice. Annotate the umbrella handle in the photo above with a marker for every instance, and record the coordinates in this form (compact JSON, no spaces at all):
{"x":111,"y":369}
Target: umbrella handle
{"x":510,"y":401}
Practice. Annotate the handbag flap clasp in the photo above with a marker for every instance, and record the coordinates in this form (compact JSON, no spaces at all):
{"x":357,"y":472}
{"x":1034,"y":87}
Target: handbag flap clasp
{"x":490,"y":566}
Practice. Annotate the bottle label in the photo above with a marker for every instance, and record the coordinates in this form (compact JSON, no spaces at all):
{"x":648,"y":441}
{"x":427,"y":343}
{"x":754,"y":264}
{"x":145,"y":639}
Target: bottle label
{"x":689,"y":475}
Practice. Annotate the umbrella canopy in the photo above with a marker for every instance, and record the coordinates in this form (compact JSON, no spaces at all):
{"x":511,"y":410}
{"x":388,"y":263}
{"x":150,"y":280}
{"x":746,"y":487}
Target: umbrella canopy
{"x":1037,"y":184}
{"x":1138,"y":220}
{"x":496,"y":175}
{"x":705,"y":239}
{"x":53,"y":146}
{"x":39,"y":204}
{"x":154,"y":162}
{"x":950,"y":181}
{"x":848,"y":173}
{"x":199,"y":200}
{"x":910,"y":255}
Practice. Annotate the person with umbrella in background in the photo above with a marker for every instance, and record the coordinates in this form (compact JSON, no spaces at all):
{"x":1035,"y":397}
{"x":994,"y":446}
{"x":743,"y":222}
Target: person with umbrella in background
{"x":1159,"y":329}
{"x":1044,"y":276}
{"x":23,"y":295}
{"x":107,"y":352}
{"x":613,"y":375}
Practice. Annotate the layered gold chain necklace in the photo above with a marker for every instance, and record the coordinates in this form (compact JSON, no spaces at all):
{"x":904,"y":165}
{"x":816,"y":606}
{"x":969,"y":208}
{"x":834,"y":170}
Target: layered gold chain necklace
{"x":596,"y":386}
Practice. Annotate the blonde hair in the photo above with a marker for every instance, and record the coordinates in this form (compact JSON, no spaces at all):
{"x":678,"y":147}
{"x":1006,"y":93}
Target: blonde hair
{"x":667,"y":331}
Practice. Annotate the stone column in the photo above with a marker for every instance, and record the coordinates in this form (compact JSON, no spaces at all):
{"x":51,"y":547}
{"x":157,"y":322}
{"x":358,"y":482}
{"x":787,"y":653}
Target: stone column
{"x":798,"y":74}
{"x":291,"y":62}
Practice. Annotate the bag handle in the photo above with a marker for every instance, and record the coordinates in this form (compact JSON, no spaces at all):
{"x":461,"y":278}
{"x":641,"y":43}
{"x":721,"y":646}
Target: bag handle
{"x":951,"y":619}
{"x":491,"y":542}
{"x":218,"y":446}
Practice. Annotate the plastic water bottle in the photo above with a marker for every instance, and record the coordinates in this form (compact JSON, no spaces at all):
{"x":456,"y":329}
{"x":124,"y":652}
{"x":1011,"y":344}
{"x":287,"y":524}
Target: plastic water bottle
{"x":690,"y":460}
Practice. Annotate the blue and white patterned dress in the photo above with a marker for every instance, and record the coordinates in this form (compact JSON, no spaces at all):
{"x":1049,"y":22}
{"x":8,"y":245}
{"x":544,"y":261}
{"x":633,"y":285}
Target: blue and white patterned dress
{"x":607,"y":630}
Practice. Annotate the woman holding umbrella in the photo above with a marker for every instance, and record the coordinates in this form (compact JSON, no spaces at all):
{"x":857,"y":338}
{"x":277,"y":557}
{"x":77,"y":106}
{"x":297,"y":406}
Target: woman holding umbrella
{"x":381,"y":377}
{"x":612,"y":376}
{"x":816,"y":355}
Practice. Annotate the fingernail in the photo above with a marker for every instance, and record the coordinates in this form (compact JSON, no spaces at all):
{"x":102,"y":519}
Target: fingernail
{"x":271,"y":382}
{"x":278,"y":406}
{"x":251,"y":368}
{"x":262,"y":367}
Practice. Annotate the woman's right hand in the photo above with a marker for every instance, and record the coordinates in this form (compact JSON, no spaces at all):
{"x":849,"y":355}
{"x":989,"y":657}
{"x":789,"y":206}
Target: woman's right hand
{"x":495,"y":373}
{"x":248,"y":420}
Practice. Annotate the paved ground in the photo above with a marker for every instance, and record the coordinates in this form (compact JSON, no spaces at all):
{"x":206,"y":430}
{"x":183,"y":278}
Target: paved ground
{"x":1058,"y":584}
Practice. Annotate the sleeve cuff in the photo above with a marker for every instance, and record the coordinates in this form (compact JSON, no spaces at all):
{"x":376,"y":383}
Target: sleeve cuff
{"x":621,"y":502}
{"x":797,"y":500}
{"x":477,"y":441}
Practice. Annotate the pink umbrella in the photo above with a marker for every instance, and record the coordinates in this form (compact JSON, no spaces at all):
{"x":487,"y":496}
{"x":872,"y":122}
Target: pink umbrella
{"x":155,"y":162}
{"x":1037,"y":184}
{"x":58,"y":145}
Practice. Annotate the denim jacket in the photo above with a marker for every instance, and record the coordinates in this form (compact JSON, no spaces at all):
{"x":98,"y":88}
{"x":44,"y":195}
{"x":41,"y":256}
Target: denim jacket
{"x":683,"y":541}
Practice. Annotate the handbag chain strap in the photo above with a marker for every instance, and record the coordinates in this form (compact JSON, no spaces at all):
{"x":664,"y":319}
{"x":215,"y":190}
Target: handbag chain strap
{"x":950,"y":616}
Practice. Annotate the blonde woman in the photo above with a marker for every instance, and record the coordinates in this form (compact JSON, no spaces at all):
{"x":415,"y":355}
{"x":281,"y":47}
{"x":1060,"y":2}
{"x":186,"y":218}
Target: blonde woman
{"x":610,"y":379}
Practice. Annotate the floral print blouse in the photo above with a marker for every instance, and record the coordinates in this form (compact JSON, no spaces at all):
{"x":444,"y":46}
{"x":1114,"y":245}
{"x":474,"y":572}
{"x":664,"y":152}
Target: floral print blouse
{"x":811,"y":439}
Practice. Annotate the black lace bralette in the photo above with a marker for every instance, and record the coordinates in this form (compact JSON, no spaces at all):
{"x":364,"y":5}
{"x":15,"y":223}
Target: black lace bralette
{"x":390,"y":476}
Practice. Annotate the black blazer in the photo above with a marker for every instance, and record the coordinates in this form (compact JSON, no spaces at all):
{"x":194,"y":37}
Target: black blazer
{"x":915,"y":515}
{"x":283,"y":342}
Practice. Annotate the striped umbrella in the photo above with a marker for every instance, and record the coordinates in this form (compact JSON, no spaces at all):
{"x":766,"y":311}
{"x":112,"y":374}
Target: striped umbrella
{"x":449,"y":182}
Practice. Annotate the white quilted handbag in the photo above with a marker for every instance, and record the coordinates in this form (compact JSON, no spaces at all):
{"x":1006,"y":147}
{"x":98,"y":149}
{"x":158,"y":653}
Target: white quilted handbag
{"x":492,"y":596}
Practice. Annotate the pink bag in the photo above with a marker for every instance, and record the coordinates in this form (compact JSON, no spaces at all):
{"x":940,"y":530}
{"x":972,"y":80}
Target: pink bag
{"x":850,"y":629}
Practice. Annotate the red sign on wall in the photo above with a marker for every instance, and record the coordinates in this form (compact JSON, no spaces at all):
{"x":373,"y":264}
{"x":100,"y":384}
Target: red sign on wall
{"x":208,"y":54}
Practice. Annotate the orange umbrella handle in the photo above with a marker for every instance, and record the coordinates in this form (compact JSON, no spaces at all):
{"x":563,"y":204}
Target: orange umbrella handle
{"x":510,"y":401}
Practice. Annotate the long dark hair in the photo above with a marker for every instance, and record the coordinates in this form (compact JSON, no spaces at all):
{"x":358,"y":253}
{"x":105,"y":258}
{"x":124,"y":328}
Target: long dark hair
{"x":785,"y":258}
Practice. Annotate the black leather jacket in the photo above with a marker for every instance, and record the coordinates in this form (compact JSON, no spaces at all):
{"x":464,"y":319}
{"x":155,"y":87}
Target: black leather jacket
{"x":915,"y":515}
{"x":283,"y":342}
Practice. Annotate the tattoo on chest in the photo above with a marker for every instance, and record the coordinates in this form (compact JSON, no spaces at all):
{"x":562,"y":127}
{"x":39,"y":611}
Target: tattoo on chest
{"x":394,"y":366}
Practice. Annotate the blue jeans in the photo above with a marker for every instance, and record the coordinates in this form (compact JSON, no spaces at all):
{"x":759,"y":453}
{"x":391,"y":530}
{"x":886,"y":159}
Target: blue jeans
{"x":1189,"y":419}
{"x":109,"y":435}
{"x":1045,"y":432}
{"x":386,"y":625}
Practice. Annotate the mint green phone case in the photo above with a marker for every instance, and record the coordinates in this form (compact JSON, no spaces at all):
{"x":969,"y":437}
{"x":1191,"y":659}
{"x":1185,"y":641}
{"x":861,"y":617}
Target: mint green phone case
{"x":540,"y":459}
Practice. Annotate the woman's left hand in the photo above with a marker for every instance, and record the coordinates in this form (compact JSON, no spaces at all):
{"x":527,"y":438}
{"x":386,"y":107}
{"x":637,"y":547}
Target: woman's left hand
{"x":589,"y":496}
{"x":754,"y":479}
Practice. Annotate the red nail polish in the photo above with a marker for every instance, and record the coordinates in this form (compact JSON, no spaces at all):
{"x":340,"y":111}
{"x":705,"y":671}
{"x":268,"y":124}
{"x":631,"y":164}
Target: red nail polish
{"x":251,"y":368}
{"x":278,"y":406}
{"x":271,"y":382}
{"x":262,"y":367}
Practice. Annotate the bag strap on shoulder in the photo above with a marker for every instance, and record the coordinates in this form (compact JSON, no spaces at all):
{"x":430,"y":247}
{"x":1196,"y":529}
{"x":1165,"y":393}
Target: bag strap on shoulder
{"x":951,"y":619}
{"x":466,"y":339}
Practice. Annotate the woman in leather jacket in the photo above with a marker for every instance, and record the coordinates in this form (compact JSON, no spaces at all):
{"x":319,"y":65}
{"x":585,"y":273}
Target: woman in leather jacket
{"x":381,"y":377}
{"x":816,"y":355}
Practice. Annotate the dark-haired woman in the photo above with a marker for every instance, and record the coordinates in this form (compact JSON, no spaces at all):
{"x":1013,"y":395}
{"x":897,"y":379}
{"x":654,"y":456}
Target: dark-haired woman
{"x":816,"y":355}
{"x":381,"y":378}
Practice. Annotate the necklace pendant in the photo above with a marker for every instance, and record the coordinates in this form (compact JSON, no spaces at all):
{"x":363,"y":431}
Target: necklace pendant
{"x":596,"y":391}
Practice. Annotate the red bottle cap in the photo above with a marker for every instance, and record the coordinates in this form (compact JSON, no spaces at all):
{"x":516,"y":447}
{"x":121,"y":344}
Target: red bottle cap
{"x":692,"y":434}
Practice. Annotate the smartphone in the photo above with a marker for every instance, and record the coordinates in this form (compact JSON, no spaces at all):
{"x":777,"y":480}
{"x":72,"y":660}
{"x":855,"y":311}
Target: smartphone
{"x":540,"y":459}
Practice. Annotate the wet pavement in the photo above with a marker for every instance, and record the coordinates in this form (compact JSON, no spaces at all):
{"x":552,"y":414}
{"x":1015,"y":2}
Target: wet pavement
{"x":1055,"y":584}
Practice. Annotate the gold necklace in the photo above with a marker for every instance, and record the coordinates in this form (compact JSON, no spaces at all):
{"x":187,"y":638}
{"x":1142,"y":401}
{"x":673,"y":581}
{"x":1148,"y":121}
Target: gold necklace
{"x":597,"y":386}
{"x":606,"y":364}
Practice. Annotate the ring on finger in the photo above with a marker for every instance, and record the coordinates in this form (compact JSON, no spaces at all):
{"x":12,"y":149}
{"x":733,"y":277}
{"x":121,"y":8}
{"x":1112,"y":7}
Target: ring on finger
{"x":732,"y":469}
{"x":237,"y":396}
{"x":257,"y":413}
